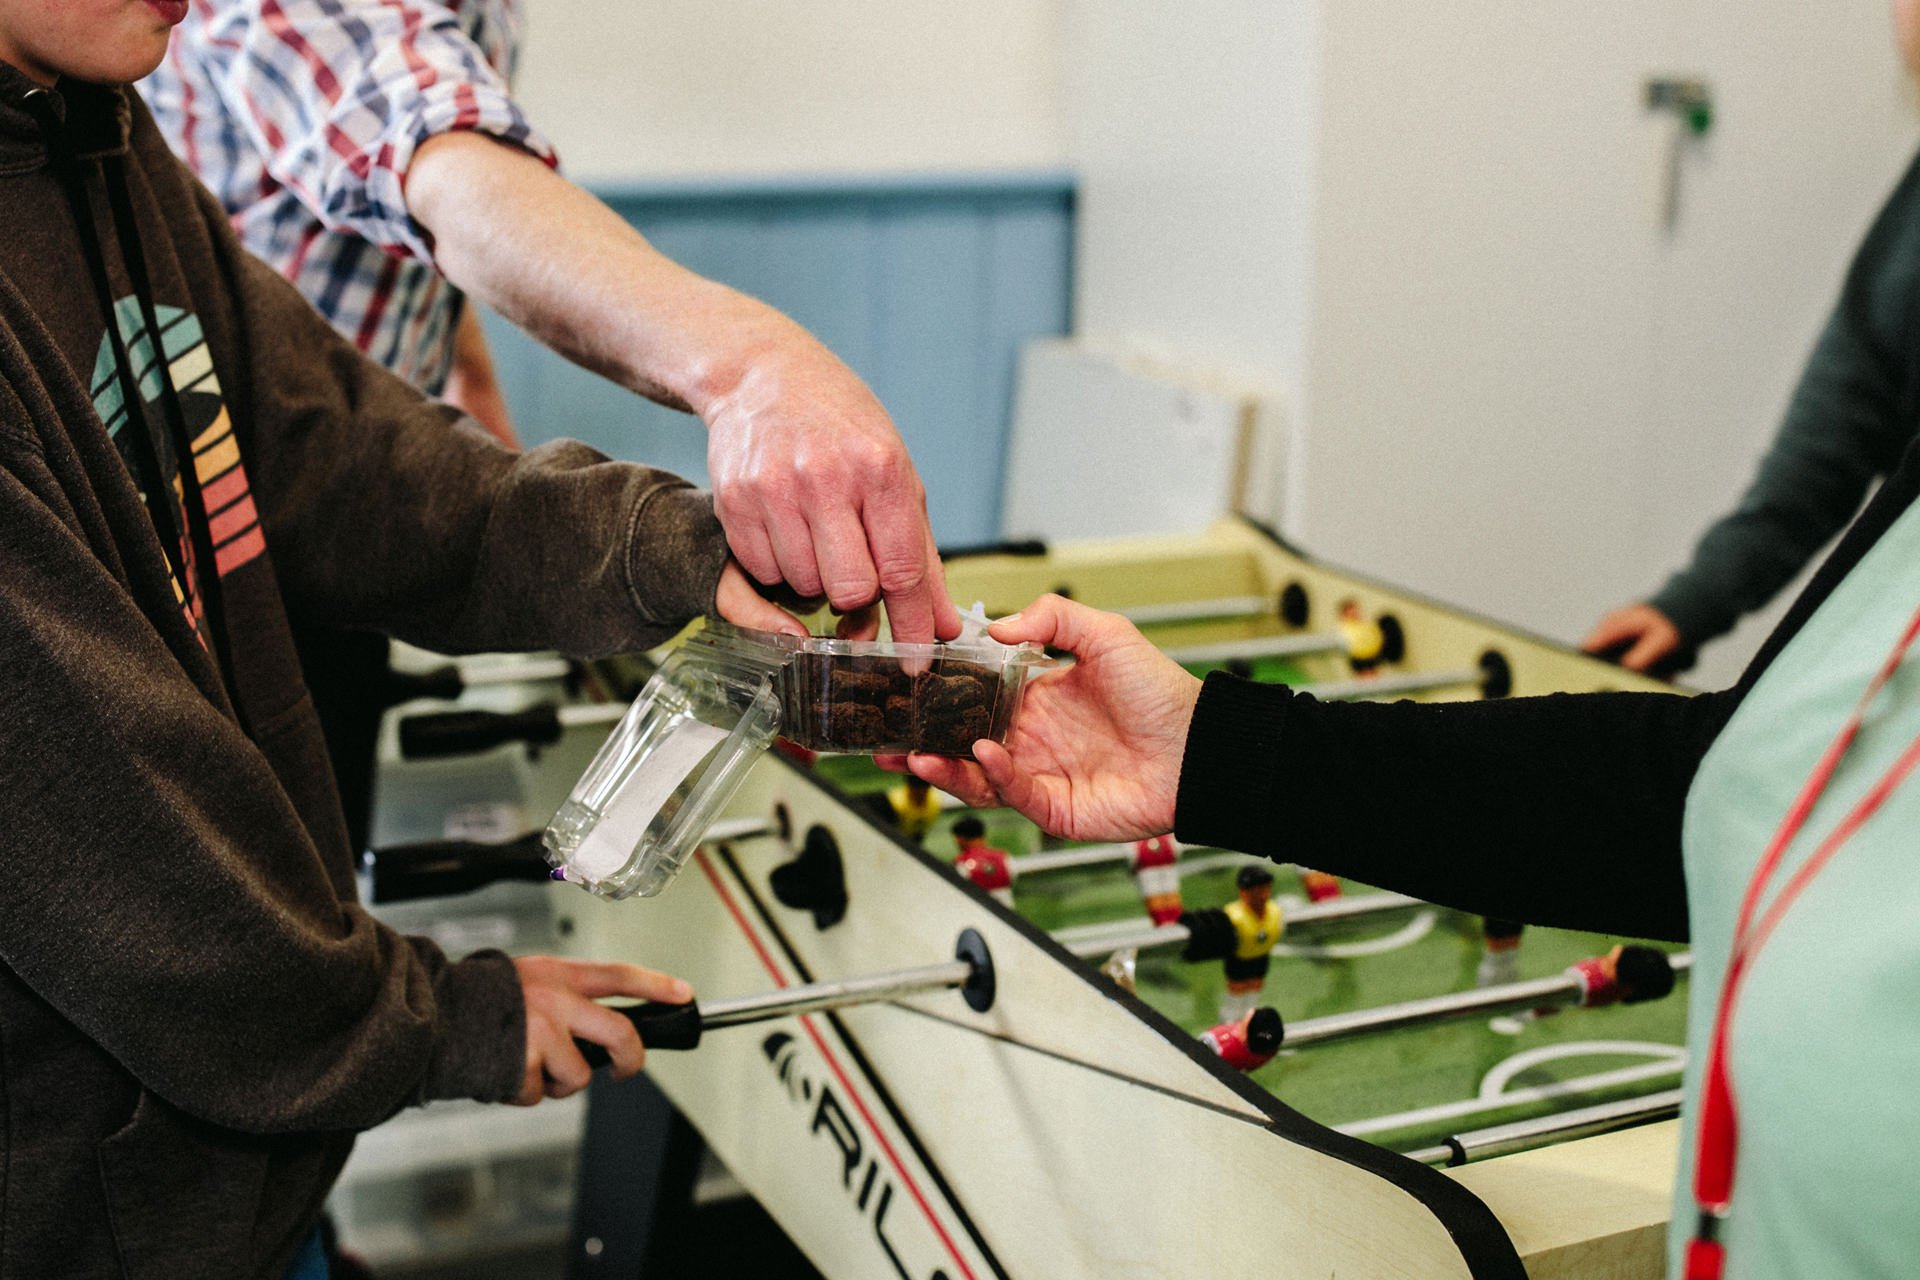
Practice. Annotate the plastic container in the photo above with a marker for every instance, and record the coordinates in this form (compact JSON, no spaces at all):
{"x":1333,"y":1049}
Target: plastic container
{"x":683,"y":747}
{"x":675,"y":758}
{"x":873,"y":696}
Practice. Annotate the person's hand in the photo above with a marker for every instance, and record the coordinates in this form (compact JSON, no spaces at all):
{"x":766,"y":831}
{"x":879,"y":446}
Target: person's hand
{"x":741,"y":603}
{"x":560,"y":997}
{"x":815,"y":488}
{"x":471,"y":386}
{"x":1640,"y":634}
{"x":1095,"y":751}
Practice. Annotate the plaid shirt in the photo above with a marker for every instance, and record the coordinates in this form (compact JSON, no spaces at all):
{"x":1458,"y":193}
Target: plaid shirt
{"x":303,"y":115}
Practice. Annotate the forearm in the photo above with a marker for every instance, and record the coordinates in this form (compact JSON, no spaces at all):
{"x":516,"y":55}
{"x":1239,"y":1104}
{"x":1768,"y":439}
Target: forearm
{"x":810,"y":478}
{"x":560,"y":264}
{"x":1562,"y":810}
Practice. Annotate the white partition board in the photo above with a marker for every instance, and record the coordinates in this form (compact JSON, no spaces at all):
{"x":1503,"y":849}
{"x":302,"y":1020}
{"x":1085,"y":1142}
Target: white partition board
{"x":1107,"y":444}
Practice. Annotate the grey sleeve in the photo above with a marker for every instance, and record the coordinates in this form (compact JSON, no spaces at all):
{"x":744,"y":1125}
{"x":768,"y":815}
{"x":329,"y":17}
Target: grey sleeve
{"x":1849,"y":421}
{"x":388,"y":511}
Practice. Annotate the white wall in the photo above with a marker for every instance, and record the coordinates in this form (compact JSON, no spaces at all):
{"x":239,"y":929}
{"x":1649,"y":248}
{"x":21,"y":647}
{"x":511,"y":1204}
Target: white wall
{"x":631,"y":89}
{"x":1191,"y":129}
{"x":1435,"y":227}
{"x":1430,"y":228}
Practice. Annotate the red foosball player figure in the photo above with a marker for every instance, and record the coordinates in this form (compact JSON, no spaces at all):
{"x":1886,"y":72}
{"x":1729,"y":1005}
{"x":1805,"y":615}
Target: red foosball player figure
{"x":914,"y":807}
{"x":1242,"y":936}
{"x":987,"y":867}
{"x":1365,"y":640}
{"x":1159,"y":879}
{"x":1318,"y":885}
{"x":1248,"y":1044}
{"x":1625,"y":975}
{"x":1500,"y":954}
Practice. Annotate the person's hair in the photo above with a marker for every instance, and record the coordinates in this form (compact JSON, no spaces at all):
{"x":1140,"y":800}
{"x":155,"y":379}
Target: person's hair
{"x":1252,"y":877}
{"x":1264,"y":1029}
{"x":969,"y":828}
{"x":1644,"y":973}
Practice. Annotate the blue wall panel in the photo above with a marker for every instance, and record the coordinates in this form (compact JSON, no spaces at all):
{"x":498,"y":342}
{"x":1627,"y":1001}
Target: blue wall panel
{"x":926,"y":287}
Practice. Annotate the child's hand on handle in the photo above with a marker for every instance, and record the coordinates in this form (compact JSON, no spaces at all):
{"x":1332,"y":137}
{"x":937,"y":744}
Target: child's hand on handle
{"x":561,"y":1003}
{"x":1096,"y":749}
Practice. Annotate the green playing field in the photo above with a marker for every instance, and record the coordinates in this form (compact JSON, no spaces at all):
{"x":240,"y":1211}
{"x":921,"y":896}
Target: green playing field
{"x":1414,"y":1075}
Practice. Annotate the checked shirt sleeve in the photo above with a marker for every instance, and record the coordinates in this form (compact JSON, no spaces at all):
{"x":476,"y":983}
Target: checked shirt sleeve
{"x":337,"y":94}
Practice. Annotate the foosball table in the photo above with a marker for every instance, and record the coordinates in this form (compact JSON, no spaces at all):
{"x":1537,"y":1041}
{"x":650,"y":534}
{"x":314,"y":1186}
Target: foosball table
{"x":924,"y":1073}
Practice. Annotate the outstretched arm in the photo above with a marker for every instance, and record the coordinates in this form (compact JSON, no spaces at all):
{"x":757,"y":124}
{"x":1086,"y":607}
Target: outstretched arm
{"x":1559,"y":810}
{"x":810,"y":478}
{"x":391,"y":124}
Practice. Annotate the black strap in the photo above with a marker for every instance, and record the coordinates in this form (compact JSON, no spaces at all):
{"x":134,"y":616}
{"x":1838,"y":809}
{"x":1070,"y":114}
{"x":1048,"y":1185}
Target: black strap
{"x":160,"y":507}
{"x":73,"y":184}
{"x":199,"y":530}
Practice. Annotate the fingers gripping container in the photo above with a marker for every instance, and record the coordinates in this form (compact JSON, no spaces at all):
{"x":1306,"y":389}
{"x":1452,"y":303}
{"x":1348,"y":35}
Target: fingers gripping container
{"x":682,"y":749}
{"x":675,"y":758}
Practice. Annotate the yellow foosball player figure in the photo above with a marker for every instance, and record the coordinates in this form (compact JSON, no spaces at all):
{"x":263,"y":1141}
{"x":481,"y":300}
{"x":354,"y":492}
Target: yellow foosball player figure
{"x":1366,"y":640}
{"x":1242,"y":935}
{"x":914,"y":807}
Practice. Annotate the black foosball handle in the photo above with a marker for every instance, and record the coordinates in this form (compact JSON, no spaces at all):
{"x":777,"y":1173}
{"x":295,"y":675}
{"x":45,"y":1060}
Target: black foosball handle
{"x":661,"y":1026}
{"x":461,"y":733}
{"x":440,"y":868}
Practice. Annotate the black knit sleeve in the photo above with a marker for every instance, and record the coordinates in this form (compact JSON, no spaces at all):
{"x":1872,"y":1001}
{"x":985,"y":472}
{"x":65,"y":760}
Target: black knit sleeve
{"x":1562,"y":810}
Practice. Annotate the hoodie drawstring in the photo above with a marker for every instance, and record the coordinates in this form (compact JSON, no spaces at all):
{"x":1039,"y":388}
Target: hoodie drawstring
{"x":205,"y":585}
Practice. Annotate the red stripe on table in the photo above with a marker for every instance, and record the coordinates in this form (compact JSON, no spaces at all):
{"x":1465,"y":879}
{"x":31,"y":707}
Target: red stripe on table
{"x":806,"y":1022}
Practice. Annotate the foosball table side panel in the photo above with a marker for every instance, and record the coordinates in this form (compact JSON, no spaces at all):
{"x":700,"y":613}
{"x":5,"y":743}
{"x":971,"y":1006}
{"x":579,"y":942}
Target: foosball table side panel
{"x":1235,"y":558}
{"x":1067,"y":1131}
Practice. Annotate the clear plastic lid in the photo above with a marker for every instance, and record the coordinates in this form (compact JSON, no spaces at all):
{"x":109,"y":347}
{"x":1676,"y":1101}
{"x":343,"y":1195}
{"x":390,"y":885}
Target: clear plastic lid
{"x":663,"y":775}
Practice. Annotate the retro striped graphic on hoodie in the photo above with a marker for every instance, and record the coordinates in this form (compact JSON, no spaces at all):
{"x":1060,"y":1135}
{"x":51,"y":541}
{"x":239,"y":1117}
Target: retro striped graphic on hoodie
{"x":231,"y":519}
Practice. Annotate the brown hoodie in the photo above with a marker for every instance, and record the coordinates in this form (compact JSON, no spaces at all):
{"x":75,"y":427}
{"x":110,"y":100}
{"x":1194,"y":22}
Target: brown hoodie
{"x":195,"y":1014}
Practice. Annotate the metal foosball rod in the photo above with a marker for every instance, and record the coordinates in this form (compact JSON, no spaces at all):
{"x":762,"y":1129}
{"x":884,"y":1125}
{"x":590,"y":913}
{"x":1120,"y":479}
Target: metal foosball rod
{"x":1328,"y":690}
{"x":1219,"y":609}
{"x":1294,"y":646}
{"x":680,"y":1026}
{"x":1573,"y":988}
{"x":1089,"y":855}
{"x":1093,"y":940}
{"x":1522,"y":1135}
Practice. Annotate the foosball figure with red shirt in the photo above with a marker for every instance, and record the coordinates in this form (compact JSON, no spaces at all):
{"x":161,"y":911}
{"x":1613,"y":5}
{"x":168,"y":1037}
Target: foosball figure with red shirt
{"x":987,"y":867}
{"x":1318,"y":885}
{"x":1155,"y":872}
{"x":1248,"y":1044}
